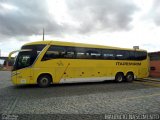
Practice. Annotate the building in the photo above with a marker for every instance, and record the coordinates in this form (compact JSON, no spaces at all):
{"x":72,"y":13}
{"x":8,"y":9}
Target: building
{"x":7,"y":65}
{"x":154,"y":64}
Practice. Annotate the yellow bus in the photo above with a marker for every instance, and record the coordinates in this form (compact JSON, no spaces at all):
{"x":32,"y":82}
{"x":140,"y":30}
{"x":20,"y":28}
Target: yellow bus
{"x":54,"y":62}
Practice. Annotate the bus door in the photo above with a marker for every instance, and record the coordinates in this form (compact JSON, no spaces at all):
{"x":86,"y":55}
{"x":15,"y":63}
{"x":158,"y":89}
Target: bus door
{"x":61,"y":70}
{"x":64,"y":69}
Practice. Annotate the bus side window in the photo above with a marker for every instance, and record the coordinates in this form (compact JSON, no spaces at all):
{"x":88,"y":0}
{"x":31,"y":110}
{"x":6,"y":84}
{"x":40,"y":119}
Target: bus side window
{"x":61,"y":51}
{"x":93,"y":53}
{"x":70,"y":52}
{"x":54,"y":52}
{"x":88,"y":53}
{"x":131,"y":55}
{"x":121,"y":54}
{"x":144,"y":55}
{"x":126,"y":54}
{"x":80,"y":53}
{"x":139,"y":55}
{"x":108,"y":54}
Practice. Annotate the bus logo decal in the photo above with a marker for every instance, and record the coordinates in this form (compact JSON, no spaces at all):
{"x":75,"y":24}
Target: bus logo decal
{"x":129,"y":63}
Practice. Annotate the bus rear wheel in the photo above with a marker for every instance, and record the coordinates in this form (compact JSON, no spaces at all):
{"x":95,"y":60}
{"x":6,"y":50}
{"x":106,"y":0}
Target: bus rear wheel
{"x":44,"y":80}
{"x":129,"y":77}
{"x":119,"y":77}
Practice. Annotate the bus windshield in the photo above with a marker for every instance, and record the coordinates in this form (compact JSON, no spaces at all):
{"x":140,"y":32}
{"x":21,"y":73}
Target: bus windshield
{"x":27,"y":58}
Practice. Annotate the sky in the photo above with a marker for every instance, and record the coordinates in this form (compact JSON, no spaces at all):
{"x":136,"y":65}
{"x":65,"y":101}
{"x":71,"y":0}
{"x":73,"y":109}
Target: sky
{"x":119,"y":23}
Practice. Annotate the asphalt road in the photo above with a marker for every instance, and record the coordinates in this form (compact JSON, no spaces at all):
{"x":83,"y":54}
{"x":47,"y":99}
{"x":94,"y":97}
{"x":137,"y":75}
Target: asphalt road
{"x":85,"y":100}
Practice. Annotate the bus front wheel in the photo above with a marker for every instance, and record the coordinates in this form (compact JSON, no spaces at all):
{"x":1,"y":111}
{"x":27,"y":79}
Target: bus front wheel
{"x":119,"y":77}
{"x":44,"y":80}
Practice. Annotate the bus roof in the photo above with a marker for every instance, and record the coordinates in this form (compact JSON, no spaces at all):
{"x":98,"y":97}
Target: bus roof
{"x":51,"y":42}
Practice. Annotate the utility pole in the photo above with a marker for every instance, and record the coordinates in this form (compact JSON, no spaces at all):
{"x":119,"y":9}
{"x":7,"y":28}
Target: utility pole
{"x":43,"y":34}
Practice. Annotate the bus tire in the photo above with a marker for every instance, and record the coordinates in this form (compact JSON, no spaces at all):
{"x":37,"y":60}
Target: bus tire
{"x":44,"y":80}
{"x":119,"y":77}
{"x":129,"y":77}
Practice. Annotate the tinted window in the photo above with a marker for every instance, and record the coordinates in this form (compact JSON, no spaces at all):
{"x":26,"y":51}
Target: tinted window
{"x":93,"y":53}
{"x":70,"y":52}
{"x":88,"y":53}
{"x":108,"y":54}
{"x":131,"y":55}
{"x":139,"y":55}
{"x":121,"y":54}
{"x":35,"y":48}
{"x":27,"y":58}
{"x":54,"y":52}
{"x":59,"y":52}
{"x":81,"y":53}
{"x":24,"y":60}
